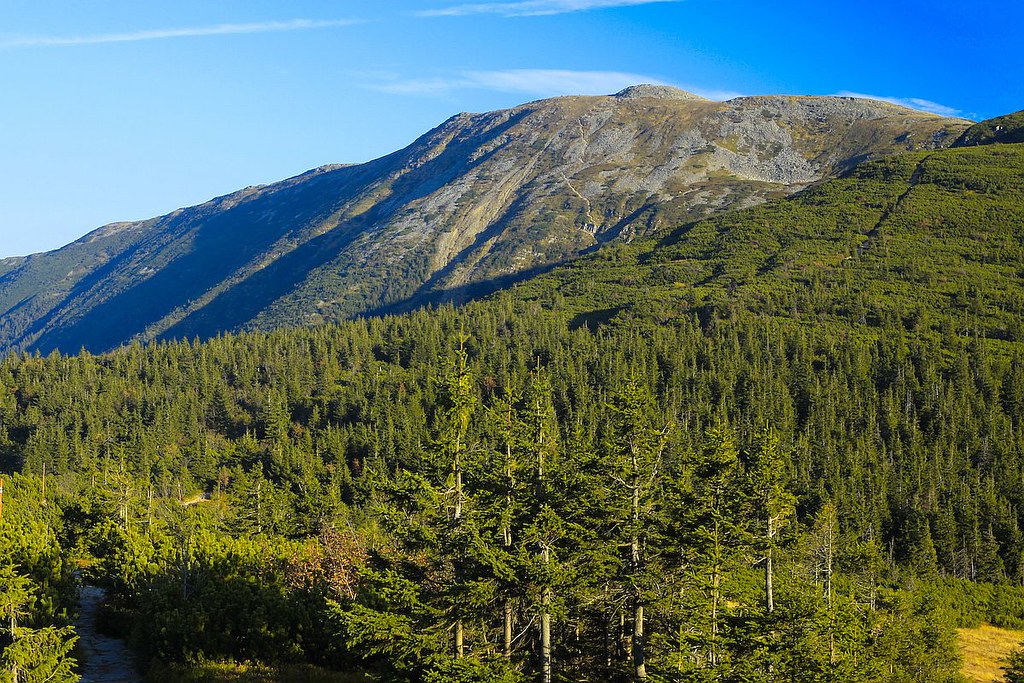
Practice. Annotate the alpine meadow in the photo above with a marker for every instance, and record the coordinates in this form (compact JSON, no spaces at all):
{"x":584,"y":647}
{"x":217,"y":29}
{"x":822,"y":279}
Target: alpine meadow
{"x":626,"y":388}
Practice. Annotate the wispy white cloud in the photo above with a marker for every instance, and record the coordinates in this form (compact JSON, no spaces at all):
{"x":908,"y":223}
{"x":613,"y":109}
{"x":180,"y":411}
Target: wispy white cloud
{"x":548,"y":82}
{"x":911,"y":102}
{"x":539,"y":82}
{"x":419,"y":86}
{"x":717,"y":94}
{"x":532,"y":8}
{"x":535,"y":82}
{"x":187,"y":32}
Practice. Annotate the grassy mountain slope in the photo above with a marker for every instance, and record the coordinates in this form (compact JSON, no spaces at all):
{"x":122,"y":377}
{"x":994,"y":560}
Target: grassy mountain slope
{"x":480,"y":201}
{"x":928,"y":240}
{"x":1002,"y":129}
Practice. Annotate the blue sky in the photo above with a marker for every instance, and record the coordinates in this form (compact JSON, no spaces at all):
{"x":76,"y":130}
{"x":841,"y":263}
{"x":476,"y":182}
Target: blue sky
{"x":122,"y":110}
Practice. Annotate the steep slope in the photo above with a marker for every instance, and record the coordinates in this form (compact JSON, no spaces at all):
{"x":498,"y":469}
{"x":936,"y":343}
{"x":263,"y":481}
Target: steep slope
{"x":929,"y":241}
{"x":1007,"y":129}
{"x":474,"y":204}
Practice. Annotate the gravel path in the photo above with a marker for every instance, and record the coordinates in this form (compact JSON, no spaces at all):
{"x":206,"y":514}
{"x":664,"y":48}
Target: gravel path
{"x":106,"y":659}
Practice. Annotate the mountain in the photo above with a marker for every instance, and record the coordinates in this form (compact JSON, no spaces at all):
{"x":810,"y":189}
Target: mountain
{"x":475,"y":204}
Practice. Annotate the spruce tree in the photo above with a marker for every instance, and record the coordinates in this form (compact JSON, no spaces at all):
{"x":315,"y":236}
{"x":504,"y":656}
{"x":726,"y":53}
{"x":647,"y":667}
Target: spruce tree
{"x":636,"y":448}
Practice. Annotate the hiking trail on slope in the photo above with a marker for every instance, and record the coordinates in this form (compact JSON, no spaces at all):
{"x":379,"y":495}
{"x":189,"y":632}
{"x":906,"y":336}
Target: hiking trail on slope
{"x":105,"y":659}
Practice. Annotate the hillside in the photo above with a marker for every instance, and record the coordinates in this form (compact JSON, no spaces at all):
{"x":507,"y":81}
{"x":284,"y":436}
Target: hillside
{"x":926,"y":241}
{"x":480,"y":201}
{"x":1008,"y":129}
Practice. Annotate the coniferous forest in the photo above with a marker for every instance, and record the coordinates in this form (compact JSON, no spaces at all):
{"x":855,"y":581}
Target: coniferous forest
{"x":795,"y":484}
{"x":483,"y":494}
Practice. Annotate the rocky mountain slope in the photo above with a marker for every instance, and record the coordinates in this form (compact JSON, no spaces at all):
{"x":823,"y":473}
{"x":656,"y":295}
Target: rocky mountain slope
{"x":478,"y":202}
{"x":927,"y":243}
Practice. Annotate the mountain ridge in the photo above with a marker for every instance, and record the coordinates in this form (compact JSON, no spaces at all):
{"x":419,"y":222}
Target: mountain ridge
{"x":481,"y":198}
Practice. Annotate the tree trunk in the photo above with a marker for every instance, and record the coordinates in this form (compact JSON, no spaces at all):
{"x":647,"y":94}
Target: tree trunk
{"x":545,"y":636}
{"x":769,"y":585}
{"x":609,"y":637}
{"x":545,"y":600}
{"x":829,"y":549}
{"x":506,"y":533}
{"x":460,"y":648}
{"x":506,"y":649}
{"x":716,"y":581}
{"x":639,"y":658}
{"x":186,"y":561}
{"x":259,"y":504}
{"x":714,"y":618}
{"x":457,"y":470}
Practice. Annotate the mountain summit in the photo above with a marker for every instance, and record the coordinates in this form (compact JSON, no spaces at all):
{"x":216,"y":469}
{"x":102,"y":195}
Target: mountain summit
{"x":661,"y":92}
{"x":481,"y":200}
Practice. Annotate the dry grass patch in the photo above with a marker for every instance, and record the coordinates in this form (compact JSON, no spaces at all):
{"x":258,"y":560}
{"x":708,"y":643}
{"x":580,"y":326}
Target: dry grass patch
{"x":984,"y":649}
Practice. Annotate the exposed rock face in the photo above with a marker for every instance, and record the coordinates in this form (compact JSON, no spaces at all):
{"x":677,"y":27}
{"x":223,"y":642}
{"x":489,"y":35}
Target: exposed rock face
{"x":480,"y":200}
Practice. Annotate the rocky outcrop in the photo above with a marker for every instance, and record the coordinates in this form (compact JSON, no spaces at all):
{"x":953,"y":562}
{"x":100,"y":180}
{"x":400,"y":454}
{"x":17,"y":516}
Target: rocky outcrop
{"x":660,"y":92}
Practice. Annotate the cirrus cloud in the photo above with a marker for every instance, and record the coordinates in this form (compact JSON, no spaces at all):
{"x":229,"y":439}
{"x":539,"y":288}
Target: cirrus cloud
{"x":535,"y":82}
{"x":533,"y":8}
{"x":909,"y":102}
{"x":186,"y":32}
